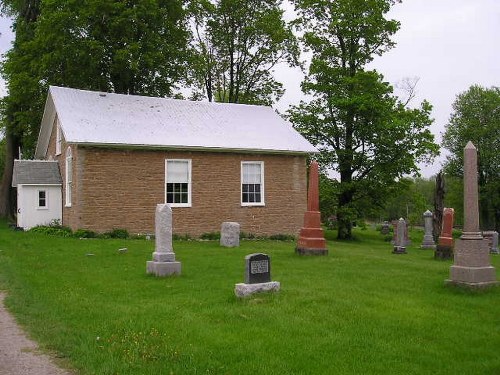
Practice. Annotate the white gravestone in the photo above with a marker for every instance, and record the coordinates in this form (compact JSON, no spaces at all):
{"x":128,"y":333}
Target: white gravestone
{"x":163,"y":263}
{"x":230,"y":234}
{"x":428,"y":242}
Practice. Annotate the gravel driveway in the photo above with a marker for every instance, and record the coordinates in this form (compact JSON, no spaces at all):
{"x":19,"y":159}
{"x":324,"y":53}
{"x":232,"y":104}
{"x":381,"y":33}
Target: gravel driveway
{"x":18,"y":354}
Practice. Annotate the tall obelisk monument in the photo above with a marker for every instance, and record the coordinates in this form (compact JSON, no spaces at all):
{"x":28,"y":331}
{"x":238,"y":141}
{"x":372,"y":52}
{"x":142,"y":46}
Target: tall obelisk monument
{"x":472,"y":266}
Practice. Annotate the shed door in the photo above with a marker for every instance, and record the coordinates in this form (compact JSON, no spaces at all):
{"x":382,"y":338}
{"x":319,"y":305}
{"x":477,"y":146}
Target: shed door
{"x":19,"y":207}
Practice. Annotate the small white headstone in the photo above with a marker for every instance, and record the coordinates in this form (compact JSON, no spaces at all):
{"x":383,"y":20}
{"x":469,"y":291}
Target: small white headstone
{"x":230,"y":234}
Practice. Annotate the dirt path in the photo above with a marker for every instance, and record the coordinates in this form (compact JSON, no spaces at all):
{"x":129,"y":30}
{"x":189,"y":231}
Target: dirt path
{"x":18,"y":354}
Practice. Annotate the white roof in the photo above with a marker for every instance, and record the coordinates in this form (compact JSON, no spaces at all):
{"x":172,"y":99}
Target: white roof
{"x":96,"y":118}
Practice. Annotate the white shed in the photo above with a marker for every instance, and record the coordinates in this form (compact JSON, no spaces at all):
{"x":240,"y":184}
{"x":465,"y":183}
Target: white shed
{"x":39,"y":193}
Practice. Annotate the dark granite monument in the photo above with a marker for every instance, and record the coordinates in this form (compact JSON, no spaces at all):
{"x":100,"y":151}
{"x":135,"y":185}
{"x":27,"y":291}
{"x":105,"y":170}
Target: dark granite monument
{"x":257,"y":276}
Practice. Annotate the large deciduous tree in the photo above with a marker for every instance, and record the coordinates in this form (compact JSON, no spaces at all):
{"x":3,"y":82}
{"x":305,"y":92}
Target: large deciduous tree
{"x":133,"y":47}
{"x":476,"y":118}
{"x":237,"y":44}
{"x":364,"y":133}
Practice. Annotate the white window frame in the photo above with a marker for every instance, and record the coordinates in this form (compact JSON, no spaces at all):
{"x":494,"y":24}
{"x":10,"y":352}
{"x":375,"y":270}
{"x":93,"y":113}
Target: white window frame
{"x":46,"y":207}
{"x":262,"y":185}
{"x":69,"y":177}
{"x":189,"y":202}
{"x":58,"y":139}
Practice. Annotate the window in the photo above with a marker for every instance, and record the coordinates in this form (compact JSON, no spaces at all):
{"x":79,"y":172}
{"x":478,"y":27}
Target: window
{"x":42,"y":199}
{"x":252,"y":183}
{"x":178,"y":182}
{"x":58,"y":139}
{"x":69,"y":176}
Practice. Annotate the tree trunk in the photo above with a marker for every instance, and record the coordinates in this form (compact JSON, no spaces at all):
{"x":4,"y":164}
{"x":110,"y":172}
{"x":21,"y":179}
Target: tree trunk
{"x":7,"y":198}
{"x":437,"y":218}
{"x":344,"y":215}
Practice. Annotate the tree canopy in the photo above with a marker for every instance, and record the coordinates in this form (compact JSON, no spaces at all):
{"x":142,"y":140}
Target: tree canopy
{"x":118,"y":46}
{"x":476,"y":118}
{"x":237,"y":44}
{"x":364,"y":133}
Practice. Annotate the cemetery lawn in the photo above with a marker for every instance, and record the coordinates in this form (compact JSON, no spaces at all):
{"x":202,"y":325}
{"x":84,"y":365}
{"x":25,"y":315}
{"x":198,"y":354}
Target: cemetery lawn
{"x":359,"y":310}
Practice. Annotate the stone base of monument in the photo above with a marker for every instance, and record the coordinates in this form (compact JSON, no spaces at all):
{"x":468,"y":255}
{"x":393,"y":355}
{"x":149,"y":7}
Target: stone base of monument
{"x":162,"y":269}
{"x":472,"y":266}
{"x":311,"y":237}
{"x":310,"y":251}
{"x":428,"y":243}
{"x":244,"y":290}
{"x":443,"y":252}
{"x":472,"y":277}
{"x":399,"y":250}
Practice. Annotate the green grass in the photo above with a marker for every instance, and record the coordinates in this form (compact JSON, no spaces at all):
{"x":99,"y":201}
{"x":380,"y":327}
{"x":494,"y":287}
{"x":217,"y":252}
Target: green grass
{"x":359,"y":310}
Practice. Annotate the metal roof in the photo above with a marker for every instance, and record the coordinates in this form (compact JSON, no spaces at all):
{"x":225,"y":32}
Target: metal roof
{"x":36,"y":172}
{"x":96,"y":118}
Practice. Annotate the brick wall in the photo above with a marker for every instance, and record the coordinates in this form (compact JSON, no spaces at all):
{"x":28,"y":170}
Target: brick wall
{"x":116,"y":188}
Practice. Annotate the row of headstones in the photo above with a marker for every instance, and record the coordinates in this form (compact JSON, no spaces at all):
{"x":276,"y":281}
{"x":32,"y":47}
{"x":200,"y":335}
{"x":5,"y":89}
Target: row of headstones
{"x":444,"y":248}
{"x":257,"y":266}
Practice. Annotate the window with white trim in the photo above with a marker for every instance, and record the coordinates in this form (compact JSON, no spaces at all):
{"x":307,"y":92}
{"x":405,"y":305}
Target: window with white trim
{"x":178,"y":182}
{"x":42,"y":199}
{"x":69,"y":176}
{"x":252,"y":183}
{"x":58,"y":139}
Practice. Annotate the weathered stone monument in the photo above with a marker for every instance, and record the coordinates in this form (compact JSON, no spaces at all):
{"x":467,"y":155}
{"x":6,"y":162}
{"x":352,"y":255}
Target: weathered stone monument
{"x":311,"y":238}
{"x":395,"y":239}
{"x":472,"y":267}
{"x":230,"y":234}
{"x":494,"y":244}
{"x":492,"y":237}
{"x":444,"y":248}
{"x":257,"y":276}
{"x":428,"y":241}
{"x":163,"y":263}
{"x":385,"y":228}
{"x":399,"y":240}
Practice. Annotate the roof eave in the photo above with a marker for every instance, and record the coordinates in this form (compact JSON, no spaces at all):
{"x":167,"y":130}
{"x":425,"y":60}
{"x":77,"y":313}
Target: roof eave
{"x":196,"y":148}
{"x":49,"y":114}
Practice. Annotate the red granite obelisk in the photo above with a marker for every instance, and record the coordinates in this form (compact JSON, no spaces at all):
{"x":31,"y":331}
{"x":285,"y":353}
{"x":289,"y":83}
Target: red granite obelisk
{"x":472,"y":266}
{"x":311,"y":238}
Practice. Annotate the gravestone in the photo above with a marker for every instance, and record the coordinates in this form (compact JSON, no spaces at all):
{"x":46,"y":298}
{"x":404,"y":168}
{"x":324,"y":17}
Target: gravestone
{"x":257,"y":276}
{"x":444,"y":248}
{"x":311,"y":238}
{"x":395,"y":236}
{"x":428,"y":241}
{"x":163,"y":263}
{"x":472,"y":267}
{"x":230,"y":234}
{"x":492,"y":237}
{"x":400,"y":242}
{"x":494,"y":244}
{"x":385,"y":228}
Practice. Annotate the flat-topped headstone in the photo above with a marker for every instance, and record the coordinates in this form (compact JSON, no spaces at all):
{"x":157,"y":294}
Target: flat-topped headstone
{"x":428,"y":241}
{"x":163,"y":263}
{"x":444,"y":248}
{"x":230,"y":234}
{"x":257,"y":276}
{"x":257,"y":268}
{"x":472,"y":267}
{"x":399,"y":241}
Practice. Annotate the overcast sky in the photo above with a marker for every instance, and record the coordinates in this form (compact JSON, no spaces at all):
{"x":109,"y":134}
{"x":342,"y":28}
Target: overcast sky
{"x":448,"y":44}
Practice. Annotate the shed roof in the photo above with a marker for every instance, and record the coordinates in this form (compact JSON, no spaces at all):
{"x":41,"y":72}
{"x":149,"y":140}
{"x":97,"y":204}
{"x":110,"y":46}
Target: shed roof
{"x":36,"y":172}
{"x":96,"y":118}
